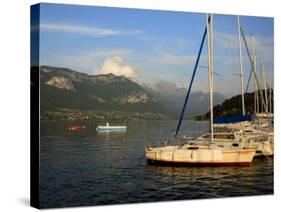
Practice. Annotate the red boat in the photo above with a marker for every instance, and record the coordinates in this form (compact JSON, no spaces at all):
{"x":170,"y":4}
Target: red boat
{"x":77,"y":128}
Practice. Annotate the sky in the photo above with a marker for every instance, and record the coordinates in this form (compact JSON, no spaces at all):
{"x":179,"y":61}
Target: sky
{"x":149,"y":45}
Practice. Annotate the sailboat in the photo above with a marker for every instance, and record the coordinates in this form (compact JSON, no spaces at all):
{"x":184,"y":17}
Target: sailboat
{"x":195,"y":152}
{"x":242,"y":130}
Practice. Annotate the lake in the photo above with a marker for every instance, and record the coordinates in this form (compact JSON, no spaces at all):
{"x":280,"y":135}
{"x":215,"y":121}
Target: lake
{"x":90,"y":168}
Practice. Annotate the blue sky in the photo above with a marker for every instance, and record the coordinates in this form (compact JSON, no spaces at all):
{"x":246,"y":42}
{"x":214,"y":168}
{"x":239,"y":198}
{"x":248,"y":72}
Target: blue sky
{"x":149,"y":45}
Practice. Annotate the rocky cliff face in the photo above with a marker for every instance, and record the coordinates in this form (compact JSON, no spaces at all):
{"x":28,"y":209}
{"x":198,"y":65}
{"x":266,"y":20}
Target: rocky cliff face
{"x":134,"y":98}
{"x":61,"y":82}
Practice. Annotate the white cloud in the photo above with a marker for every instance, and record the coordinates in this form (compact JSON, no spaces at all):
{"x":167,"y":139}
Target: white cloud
{"x":89,"y":31}
{"x":117,"y":66}
{"x":88,"y":62}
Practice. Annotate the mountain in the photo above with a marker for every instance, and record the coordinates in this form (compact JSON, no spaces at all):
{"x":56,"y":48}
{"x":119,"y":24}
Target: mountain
{"x":65,"y":88}
{"x":173,"y":97}
{"x":68,"y":90}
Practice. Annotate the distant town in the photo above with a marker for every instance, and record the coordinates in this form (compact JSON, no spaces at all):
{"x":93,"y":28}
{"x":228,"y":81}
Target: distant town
{"x":100,"y":116}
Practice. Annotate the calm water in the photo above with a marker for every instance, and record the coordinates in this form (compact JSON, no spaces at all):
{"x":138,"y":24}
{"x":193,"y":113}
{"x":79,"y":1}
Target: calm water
{"x":89,"y":168}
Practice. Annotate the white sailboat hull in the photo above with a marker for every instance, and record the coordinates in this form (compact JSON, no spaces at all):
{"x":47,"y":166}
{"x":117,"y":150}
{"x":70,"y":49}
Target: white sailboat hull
{"x":201,"y":156}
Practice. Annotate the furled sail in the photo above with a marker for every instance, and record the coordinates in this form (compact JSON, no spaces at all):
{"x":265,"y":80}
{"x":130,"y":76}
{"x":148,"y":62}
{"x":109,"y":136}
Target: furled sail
{"x":191,"y":81}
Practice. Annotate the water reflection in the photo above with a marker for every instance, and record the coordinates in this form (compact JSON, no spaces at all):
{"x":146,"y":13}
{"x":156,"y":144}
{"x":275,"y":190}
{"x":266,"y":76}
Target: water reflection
{"x":90,"y":168}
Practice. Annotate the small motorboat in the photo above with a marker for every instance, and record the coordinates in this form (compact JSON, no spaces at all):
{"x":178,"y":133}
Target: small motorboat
{"x":111,"y":128}
{"x":77,"y":128}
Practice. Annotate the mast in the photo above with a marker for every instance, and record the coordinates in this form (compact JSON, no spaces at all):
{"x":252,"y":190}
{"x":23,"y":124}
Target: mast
{"x":241,"y":66}
{"x":262,"y":94}
{"x":210,"y":71}
{"x":255,"y":81}
{"x":212,"y":54}
{"x":265,"y":89}
{"x":270,"y":98}
{"x":212,"y":75}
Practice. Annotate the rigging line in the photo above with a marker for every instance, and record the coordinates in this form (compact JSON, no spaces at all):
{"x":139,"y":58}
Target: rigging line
{"x":215,"y":73}
{"x":252,"y":65}
{"x":191,"y":81}
{"x":249,"y":79}
{"x":252,"y":69}
{"x":203,"y":67}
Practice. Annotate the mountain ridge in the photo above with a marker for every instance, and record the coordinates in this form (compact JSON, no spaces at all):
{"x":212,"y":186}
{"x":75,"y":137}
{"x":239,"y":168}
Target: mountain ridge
{"x":64,"y":89}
